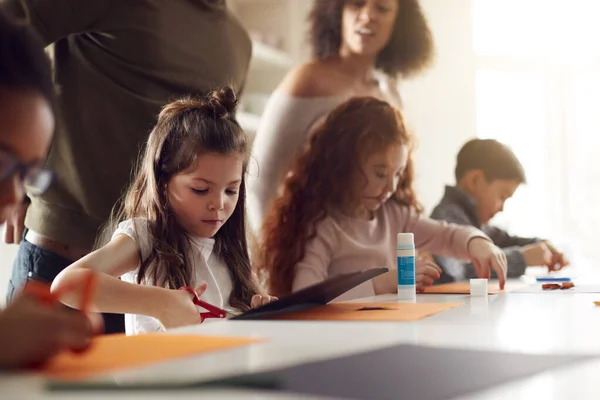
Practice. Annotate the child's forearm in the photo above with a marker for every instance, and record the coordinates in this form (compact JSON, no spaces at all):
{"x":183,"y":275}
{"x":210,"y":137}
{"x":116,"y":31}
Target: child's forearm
{"x":111,"y":295}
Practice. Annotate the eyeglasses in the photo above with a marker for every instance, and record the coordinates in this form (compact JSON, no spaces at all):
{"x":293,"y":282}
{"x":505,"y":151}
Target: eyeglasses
{"x":35,"y":177}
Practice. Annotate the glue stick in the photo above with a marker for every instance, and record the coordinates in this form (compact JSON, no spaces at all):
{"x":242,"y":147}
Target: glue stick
{"x":405,"y":253}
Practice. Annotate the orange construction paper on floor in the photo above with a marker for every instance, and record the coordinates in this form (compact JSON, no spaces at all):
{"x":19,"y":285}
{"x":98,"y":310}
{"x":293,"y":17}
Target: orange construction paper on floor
{"x":465,"y":288}
{"x":113,"y":352}
{"x":369,"y":312}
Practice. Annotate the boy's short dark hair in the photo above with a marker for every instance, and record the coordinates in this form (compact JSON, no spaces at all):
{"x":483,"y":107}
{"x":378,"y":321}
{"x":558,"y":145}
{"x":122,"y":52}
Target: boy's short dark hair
{"x":496,"y":160}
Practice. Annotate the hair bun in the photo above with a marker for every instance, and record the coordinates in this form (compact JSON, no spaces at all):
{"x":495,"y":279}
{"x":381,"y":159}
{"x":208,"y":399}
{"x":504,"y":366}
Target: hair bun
{"x":221,"y":103}
{"x":216,"y":104}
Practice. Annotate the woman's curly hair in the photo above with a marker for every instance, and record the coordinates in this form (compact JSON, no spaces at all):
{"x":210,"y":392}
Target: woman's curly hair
{"x":409,"y":50}
{"x":324,"y":178}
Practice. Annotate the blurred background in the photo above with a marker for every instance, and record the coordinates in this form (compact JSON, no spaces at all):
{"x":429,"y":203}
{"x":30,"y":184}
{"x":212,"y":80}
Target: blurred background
{"x":525,"y":72}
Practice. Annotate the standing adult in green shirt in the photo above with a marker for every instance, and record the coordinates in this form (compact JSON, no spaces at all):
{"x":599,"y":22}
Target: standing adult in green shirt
{"x":116,"y":63}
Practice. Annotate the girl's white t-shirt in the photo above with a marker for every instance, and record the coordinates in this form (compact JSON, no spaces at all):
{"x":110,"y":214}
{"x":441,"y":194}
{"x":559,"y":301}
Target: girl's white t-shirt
{"x":207,"y":267}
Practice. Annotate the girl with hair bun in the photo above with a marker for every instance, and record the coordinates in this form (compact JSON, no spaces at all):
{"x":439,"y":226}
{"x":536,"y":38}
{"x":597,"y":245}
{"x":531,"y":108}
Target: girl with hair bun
{"x":181,"y":223}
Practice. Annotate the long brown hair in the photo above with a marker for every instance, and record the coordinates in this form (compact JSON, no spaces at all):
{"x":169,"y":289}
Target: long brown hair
{"x":185,"y":129}
{"x":324,"y":178}
{"x":409,"y":50}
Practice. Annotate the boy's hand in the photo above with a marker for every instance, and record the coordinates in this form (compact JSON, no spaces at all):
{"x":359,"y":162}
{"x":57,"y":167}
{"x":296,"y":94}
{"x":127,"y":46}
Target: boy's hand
{"x":559,"y":260}
{"x":486,"y":256}
{"x":426,"y":272}
{"x":537,"y":255}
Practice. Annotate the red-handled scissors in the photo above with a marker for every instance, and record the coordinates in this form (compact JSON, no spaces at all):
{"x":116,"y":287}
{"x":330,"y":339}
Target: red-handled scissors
{"x":212,"y":311}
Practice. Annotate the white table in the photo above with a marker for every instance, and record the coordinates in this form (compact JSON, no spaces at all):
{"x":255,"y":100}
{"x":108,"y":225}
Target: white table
{"x":545,"y":323}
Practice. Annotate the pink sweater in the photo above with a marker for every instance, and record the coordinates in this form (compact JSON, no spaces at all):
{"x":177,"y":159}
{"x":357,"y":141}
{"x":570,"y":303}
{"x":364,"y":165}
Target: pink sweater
{"x":344,"y":244}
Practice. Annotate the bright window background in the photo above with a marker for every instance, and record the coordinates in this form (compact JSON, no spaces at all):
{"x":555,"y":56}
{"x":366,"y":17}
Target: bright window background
{"x":537,"y":90}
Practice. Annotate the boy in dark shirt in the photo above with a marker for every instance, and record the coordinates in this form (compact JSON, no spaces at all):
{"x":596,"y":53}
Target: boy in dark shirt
{"x":487,"y":174}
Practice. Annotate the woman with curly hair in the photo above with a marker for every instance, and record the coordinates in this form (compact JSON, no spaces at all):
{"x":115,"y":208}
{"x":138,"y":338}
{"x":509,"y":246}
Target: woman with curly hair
{"x":347,"y":197}
{"x":360,"y":48}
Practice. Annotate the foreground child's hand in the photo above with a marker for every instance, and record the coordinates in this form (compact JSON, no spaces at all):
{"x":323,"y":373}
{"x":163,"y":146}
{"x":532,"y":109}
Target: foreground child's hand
{"x":179,"y":308}
{"x":32,"y":332}
{"x":426,"y":272}
{"x":260,"y":300}
{"x":486,"y":256}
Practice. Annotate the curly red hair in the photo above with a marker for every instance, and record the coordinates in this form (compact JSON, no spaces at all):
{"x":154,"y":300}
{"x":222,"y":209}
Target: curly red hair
{"x":323,"y":178}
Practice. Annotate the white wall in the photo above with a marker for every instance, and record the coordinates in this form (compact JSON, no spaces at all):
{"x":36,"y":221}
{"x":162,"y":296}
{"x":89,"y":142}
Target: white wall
{"x":440,"y":104}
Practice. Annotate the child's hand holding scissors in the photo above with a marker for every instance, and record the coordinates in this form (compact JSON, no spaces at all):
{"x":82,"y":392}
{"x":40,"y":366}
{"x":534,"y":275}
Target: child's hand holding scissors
{"x":180,"y":308}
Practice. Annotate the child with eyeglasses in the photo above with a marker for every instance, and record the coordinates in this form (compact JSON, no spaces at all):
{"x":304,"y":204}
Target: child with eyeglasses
{"x":30,"y":332}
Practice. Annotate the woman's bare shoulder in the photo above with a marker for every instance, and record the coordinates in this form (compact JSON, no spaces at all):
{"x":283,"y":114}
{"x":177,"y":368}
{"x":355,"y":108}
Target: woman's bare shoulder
{"x":313,"y":79}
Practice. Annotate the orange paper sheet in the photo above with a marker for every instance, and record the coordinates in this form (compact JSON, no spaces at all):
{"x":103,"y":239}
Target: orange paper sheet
{"x":370,"y":312}
{"x":113,"y":352}
{"x":465,"y":288}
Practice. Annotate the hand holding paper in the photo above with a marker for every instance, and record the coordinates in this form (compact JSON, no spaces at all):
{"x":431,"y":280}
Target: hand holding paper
{"x":31,"y":332}
{"x":260,"y":300}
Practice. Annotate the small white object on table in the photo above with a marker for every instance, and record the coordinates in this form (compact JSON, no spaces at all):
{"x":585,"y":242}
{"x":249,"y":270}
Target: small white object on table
{"x":479,"y":287}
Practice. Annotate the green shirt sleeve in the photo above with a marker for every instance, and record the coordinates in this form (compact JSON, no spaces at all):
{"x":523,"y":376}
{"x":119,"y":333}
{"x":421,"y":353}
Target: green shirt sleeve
{"x":56,"y":19}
